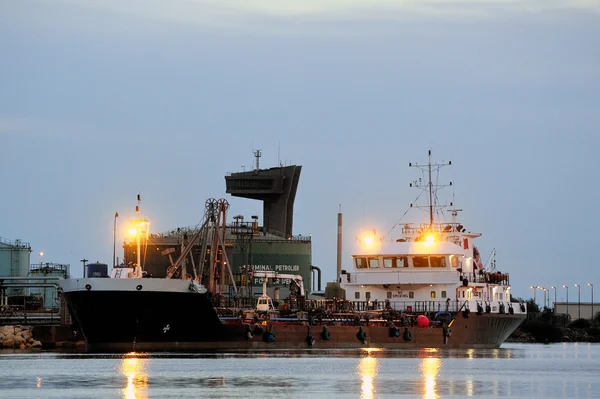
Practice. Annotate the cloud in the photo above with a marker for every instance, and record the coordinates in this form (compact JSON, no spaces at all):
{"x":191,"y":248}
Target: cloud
{"x":286,"y":15}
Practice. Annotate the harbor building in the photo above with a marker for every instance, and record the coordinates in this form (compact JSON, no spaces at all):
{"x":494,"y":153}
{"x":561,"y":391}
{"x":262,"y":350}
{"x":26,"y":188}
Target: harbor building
{"x":248,"y":245}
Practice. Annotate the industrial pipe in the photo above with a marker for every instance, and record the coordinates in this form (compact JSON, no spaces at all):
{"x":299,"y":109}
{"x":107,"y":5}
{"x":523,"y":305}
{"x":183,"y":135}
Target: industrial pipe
{"x":313,"y":268}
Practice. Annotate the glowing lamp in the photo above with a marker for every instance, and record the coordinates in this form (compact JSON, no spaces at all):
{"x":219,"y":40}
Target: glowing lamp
{"x":429,"y":240}
{"x":368,"y":240}
{"x":132,"y":231}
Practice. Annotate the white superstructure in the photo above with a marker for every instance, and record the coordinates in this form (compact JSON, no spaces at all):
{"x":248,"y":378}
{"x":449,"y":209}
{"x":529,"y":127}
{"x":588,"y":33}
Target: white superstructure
{"x":431,"y":267}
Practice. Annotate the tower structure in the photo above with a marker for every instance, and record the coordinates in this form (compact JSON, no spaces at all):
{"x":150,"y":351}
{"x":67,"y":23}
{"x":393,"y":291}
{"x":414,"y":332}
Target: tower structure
{"x":275,"y":187}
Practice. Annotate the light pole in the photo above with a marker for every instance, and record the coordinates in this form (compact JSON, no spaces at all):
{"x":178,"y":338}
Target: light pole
{"x":115,"y":238}
{"x":554,"y":303}
{"x":543,"y":289}
{"x":83,"y":261}
{"x":533,"y":288}
{"x":567,"y":298}
{"x":592,"y":287}
{"x":40,"y":254}
{"x":578,"y":301}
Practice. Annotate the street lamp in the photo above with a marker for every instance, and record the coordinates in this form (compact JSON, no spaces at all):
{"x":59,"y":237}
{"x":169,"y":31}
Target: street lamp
{"x":115,"y":238}
{"x":554,"y":303}
{"x":567,"y":298}
{"x":40,"y":254}
{"x":592,"y":287}
{"x":533,"y":288}
{"x":578,"y":301}
{"x":544,"y":289}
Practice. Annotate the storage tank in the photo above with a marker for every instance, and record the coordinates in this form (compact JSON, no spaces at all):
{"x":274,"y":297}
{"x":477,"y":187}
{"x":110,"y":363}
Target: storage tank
{"x":96,"y":270}
{"x":14,"y":258}
{"x":51,"y":271}
{"x":14,"y":261}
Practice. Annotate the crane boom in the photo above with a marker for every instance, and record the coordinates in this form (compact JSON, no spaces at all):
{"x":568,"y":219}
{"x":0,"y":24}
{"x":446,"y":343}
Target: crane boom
{"x":186,"y":250}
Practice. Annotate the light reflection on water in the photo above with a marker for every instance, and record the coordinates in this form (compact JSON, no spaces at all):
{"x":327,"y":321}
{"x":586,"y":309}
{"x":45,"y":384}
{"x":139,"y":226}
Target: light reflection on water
{"x":430,"y":368}
{"x":520,"y":371}
{"x":367,"y":370}
{"x":134,"y":370}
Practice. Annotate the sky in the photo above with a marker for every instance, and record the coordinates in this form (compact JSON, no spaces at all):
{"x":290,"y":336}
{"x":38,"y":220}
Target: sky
{"x":102,"y":100}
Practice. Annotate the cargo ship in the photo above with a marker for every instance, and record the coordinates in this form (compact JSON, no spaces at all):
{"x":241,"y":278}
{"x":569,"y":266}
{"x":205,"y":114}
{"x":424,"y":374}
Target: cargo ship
{"x":427,"y":288}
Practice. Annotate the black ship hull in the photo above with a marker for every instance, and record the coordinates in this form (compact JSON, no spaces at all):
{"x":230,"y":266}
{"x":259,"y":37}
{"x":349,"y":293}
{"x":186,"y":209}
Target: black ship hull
{"x":127,"y":319}
{"x":132,"y":320}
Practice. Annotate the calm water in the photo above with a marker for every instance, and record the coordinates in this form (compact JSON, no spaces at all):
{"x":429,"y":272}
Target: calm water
{"x":515,"y":370}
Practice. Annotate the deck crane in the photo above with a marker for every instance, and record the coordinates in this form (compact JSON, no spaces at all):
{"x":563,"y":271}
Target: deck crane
{"x":211,"y":232}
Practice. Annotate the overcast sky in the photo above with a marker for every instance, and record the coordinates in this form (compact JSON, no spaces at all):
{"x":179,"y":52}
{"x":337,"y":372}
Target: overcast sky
{"x":103,"y":99}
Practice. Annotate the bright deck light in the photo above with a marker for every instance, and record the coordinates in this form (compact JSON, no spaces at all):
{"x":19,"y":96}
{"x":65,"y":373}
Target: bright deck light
{"x":132,"y":231}
{"x":368,"y":241}
{"x":429,"y":240}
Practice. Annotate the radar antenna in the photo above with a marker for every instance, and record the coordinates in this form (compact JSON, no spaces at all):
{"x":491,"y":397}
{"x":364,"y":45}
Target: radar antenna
{"x":429,"y":187}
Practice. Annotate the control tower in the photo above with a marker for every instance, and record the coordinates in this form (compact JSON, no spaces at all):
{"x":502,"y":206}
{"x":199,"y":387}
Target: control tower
{"x":275,"y":187}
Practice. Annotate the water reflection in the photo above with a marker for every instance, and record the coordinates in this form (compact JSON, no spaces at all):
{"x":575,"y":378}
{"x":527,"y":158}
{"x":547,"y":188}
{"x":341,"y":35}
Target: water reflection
{"x":367,"y":370}
{"x":430,"y":368}
{"x":137,"y":379}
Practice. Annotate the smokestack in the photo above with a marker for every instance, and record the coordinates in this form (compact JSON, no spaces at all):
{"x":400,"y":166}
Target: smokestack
{"x":339,"y":246}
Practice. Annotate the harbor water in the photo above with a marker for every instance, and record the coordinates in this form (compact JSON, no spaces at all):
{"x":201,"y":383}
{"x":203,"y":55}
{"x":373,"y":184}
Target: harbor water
{"x":569,"y":370}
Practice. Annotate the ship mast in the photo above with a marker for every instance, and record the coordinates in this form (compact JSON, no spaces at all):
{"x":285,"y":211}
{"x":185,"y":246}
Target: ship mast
{"x":431,"y":188}
{"x":430,"y":194}
{"x":138,"y":232}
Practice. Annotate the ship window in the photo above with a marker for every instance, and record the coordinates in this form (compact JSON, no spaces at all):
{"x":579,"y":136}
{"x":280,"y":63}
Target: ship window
{"x":411,"y":294}
{"x":437,"y":261}
{"x":432,"y":294}
{"x":454,"y":260}
{"x":373,"y":262}
{"x":443,"y":294}
{"x":463,"y":294}
{"x":367,"y":295}
{"x":389,"y":295}
{"x":357,"y":295}
{"x":361,"y":263}
{"x":496,"y":296}
{"x":500,"y":296}
{"x":420,"y":261}
{"x":395,"y":262}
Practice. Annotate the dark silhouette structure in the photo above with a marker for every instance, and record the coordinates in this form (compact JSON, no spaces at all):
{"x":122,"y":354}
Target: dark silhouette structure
{"x":276,"y":187}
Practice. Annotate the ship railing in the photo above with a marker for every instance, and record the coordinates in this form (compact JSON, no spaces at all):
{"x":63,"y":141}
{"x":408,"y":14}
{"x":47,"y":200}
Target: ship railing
{"x":292,"y":304}
{"x":407,"y":306}
{"x":484,"y":277}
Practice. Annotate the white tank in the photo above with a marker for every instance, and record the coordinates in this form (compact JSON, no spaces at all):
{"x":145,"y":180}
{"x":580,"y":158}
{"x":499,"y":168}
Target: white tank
{"x":14,"y":261}
{"x":14,"y":258}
